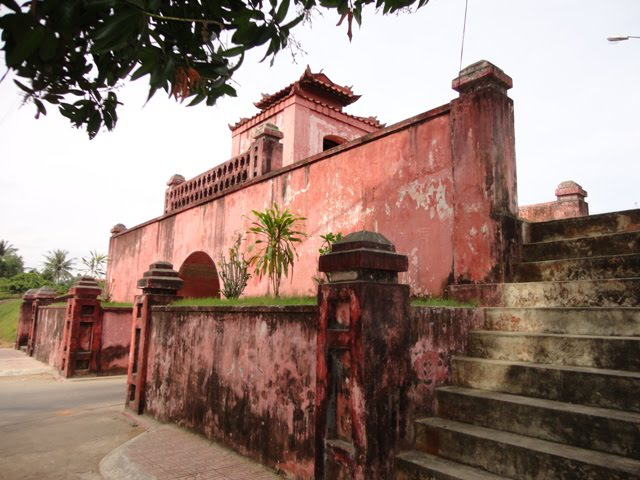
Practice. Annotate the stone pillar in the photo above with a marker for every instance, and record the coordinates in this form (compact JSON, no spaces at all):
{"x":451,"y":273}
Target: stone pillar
{"x":362,"y":358}
{"x":44,"y":296}
{"x":159,"y":285}
{"x":267,"y":149}
{"x":485,"y":231}
{"x":82,"y":329}
{"x":22,"y":331}
{"x":571,"y":201}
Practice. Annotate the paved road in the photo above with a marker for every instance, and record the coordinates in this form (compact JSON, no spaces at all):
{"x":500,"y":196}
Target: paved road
{"x":59,"y":430}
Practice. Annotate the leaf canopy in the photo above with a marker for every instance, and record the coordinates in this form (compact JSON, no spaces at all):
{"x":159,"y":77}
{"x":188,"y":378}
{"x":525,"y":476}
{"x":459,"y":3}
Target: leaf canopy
{"x":75,"y":54}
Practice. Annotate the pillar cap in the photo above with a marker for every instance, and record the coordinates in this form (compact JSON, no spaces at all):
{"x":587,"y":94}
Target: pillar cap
{"x":479,"y":75}
{"x":160,"y":279}
{"x":118,"y":228}
{"x":570,"y":188}
{"x":363,"y":256}
{"x":45,"y":293}
{"x":86,"y":287}
{"x":176,"y":179}
{"x":268,"y":130}
{"x":30,"y":294}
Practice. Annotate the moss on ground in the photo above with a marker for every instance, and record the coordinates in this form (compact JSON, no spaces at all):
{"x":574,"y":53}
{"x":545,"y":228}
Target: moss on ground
{"x":439,"y":302}
{"x":9,"y":314}
{"x":251,"y":301}
{"x":117,"y":304}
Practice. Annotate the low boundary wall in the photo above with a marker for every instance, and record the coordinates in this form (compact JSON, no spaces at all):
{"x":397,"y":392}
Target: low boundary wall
{"x":92,"y":339}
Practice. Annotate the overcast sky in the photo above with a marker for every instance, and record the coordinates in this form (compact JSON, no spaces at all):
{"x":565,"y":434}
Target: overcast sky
{"x":577,"y":109}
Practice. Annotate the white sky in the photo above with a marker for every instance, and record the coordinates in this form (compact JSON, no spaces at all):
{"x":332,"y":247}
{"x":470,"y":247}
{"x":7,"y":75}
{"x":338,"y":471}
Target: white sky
{"x":577,"y":107}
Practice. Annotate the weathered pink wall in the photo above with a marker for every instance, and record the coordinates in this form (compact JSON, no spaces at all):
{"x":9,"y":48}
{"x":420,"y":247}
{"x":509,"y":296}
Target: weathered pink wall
{"x":403,"y":189}
{"x":115,"y":340}
{"x":304,"y":125}
{"x":437,"y":335}
{"x":48,"y":342}
{"x":441,"y":186}
{"x":244,"y":376}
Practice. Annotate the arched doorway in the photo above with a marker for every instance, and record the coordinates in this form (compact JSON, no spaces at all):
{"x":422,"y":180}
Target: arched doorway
{"x":200,"y":277}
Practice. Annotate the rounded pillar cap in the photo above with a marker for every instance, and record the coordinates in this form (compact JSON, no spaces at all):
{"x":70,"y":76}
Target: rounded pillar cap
{"x":176,"y":179}
{"x":45,"y":293}
{"x":30,"y":294}
{"x":118,"y":228}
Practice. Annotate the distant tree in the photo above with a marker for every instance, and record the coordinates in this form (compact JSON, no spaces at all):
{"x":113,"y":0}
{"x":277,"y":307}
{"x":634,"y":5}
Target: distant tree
{"x":277,"y":235}
{"x":58,"y":265}
{"x":75,"y":55}
{"x":10,"y":262}
{"x":11,"y":265}
{"x":24,"y":281}
{"x":95,"y":264}
{"x":7,"y":249}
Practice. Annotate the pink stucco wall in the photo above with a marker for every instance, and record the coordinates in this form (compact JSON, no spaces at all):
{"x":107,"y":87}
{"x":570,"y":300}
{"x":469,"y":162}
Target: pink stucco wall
{"x":115,"y":340}
{"x":441,"y":186}
{"x":400,"y":184}
{"x":243,"y":376}
{"x":48,"y":342}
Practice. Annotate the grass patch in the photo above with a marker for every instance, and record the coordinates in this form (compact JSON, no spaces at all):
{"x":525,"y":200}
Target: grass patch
{"x":9,"y":315}
{"x":58,"y":304}
{"x":439,"y":302}
{"x":117,"y":304}
{"x":244,"y":301}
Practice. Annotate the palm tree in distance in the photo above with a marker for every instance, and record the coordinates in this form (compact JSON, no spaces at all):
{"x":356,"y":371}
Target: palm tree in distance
{"x":95,"y":264}
{"x":6,"y":248}
{"x":58,"y":265}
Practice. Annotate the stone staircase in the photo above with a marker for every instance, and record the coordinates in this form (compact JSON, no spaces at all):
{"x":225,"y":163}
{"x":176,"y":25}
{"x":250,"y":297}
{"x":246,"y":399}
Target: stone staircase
{"x":550,"y":389}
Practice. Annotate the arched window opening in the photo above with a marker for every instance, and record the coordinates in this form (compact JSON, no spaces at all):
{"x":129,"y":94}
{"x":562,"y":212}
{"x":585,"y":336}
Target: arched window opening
{"x":331,"y":141}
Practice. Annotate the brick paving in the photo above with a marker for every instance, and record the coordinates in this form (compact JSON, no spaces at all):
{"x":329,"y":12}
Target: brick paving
{"x":169,"y":453}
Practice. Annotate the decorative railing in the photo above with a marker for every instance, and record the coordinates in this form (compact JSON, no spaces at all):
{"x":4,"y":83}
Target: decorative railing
{"x":263,"y":155}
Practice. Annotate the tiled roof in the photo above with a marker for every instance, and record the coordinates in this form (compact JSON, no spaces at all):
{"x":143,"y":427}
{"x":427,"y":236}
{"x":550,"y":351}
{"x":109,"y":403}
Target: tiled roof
{"x":343,"y":95}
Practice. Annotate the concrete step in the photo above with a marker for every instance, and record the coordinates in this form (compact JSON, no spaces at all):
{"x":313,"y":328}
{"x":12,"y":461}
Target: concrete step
{"x":620,"y":292}
{"x":605,"y":223}
{"x":615,"y":389}
{"x":615,"y":353}
{"x":606,"y":430}
{"x":602,"y":245}
{"x":586,"y":268}
{"x":621,"y":321}
{"x":517,"y":456}
{"x":415,"y":465}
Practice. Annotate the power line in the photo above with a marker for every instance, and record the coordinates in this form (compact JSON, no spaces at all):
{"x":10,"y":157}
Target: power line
{"x":464,"y":31}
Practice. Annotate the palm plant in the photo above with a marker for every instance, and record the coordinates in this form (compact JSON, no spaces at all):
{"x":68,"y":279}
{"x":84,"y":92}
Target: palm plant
{"x":95,"y":264}
{"x":277,"y":234}
{"x":6,"y":248}
{"x":58,"y":265}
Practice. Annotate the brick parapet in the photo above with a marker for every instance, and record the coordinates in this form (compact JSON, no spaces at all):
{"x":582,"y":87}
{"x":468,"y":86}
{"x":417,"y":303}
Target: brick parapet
{"x":570,"y":203}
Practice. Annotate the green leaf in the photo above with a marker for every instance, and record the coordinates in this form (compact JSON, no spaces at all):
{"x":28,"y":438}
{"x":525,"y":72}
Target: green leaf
{"x":282,"y":11}
{"x":28,"y":43}
{"x":11,"y":4}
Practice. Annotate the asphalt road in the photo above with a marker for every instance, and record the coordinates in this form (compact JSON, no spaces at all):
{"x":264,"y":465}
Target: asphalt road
{"x":59,"y":429}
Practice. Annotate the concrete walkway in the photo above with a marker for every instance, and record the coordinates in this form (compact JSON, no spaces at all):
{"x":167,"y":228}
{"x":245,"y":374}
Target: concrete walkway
{"x":169,"y":453}
{"x":16,"y":363}
{"x":59,"y":429}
